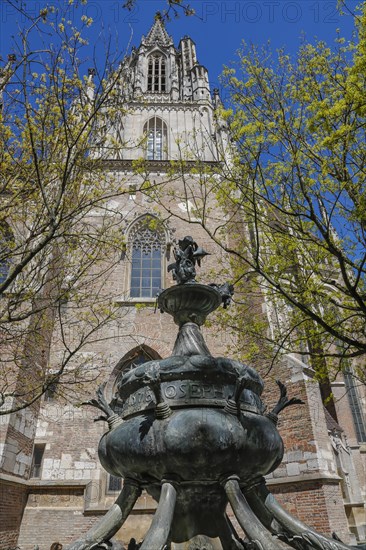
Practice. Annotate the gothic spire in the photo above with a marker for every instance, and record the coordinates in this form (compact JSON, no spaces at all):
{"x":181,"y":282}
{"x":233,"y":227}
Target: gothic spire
{"x":157,"y":34}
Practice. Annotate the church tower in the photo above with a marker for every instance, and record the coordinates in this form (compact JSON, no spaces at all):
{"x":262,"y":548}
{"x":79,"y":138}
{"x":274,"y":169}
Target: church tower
{"x":167,"y":112}
{"x":166,"y":96}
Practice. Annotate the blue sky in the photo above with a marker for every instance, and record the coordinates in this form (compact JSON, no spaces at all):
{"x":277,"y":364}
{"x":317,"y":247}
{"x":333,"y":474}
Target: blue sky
{"x":218,"y":27}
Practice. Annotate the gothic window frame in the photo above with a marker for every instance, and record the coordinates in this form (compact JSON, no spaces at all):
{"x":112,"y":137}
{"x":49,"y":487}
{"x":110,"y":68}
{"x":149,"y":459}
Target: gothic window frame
{"x":147,"y":241}
{"x":156,"y":73}
{"x":133,"y":358}
{"x":156,"y":131}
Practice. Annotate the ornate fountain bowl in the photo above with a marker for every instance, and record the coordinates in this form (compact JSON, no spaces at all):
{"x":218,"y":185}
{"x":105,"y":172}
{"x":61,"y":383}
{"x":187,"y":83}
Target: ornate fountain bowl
{"x":200,"y":440}
{"x":190,"y":302}
{"x":192,"y":445}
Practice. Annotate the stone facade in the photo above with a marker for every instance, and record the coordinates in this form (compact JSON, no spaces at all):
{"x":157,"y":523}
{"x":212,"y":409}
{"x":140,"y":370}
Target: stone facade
{"x":322,"y":477}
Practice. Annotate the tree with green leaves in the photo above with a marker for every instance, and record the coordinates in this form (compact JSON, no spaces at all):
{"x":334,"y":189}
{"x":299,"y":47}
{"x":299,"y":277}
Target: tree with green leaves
{"x":60,"y":237}
{"x":60,"y":231}
{"x":296,"y":182}
{"x":292,"y":185}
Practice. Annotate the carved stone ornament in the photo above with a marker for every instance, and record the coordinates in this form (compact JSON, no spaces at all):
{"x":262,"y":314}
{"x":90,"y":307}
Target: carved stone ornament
{"x":147,"y":234}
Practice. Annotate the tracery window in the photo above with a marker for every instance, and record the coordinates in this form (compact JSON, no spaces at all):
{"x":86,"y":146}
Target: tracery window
{"x":4,"y":269}
{"x":147,"y":240}
{"x":156,"y":132}
{"x":156,"y":74}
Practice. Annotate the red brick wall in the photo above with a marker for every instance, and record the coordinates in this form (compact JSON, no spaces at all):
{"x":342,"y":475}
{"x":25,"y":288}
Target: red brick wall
{"x":12,"y":502}
{"x":316,"y":504}
{"x":43,"y":526}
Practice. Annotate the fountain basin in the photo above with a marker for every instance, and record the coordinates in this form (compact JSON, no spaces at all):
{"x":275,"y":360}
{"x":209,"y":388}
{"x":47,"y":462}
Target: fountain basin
{"x":190,"y":302}
{"x":195,"y":444}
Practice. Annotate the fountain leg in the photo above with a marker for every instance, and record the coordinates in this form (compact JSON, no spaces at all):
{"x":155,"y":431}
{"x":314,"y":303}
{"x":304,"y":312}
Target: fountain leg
{"x":113,"y":520}
{"x":229,"y":538}
{"x":260,"y":510}
{"x":158,"y":534}
{"x":255,"y":530}
{"x":291,"y":525}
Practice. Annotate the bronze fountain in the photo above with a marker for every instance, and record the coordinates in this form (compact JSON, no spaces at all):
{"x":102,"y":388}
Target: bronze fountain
{"x":192,"y":431}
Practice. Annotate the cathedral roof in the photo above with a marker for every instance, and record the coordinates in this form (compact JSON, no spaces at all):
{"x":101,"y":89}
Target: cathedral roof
{"x":157,"y":34}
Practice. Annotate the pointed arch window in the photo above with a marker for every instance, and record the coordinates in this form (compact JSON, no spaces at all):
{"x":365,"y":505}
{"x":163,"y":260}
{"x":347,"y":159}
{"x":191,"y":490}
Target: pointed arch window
{"x":134,"y":358}
{"x":156,"y":132}
{"x":156,"y":74}
{"x":147,"y":240}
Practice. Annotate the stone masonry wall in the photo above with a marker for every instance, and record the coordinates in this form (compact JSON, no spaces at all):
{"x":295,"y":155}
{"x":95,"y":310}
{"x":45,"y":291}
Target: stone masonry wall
{"x":18,"y":430}
{"x":17,"y":446}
